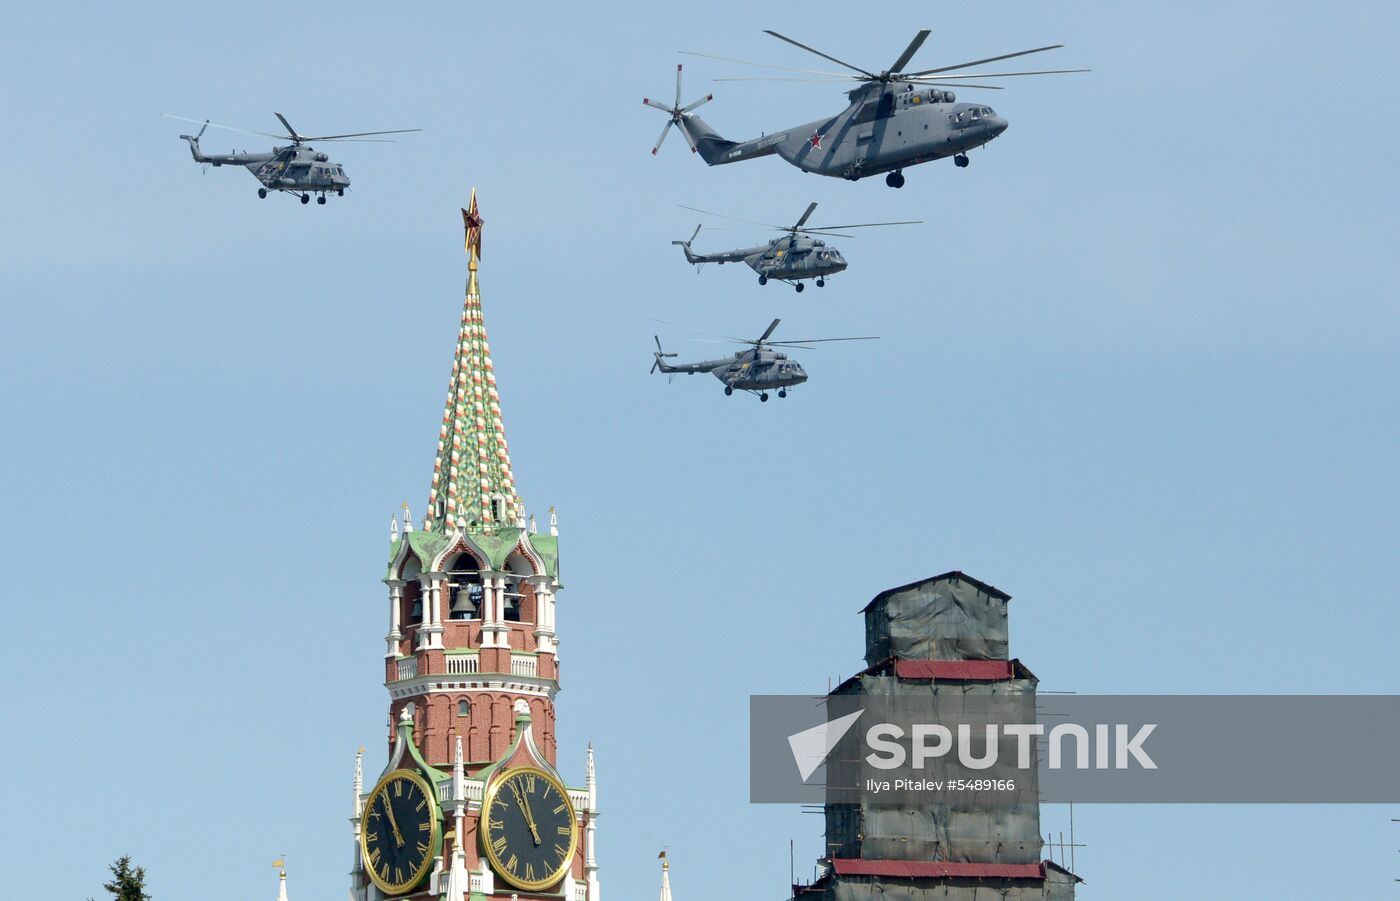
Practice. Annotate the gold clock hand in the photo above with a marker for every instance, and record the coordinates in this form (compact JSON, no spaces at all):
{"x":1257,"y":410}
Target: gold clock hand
{"x":388,"y":809}
{"x":525,"y":809}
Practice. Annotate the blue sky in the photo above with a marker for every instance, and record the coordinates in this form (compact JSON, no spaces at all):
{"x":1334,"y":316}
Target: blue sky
{"x":1139,"y":369}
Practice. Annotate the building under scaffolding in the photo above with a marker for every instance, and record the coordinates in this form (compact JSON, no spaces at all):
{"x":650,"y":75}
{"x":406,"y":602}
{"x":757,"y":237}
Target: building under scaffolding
{"x":945,"y":636}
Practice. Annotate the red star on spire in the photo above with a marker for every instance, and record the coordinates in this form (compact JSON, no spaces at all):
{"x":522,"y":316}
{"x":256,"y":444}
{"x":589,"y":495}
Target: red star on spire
{"x":816,"y":140}
{"x":473,"y":222}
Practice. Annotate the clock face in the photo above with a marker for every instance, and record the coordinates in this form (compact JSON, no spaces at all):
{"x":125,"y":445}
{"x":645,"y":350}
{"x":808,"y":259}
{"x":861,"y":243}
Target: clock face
{"x":399,"y":831}
{"x":529,"y":831}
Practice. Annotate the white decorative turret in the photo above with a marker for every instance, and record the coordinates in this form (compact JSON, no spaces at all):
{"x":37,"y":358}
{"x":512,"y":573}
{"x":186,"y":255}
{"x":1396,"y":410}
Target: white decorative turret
{"x":553,"y":523}
{"x":357,"y":810}
{"x":590,"y":861}
{"x":393,"y":529}
{"x":665,"y":877}
{"x":458,"y":883}
{"x":407,"y":519}
{"x":281,"y":864}
{"x":533,"y":528}
{"x":359,"y":781}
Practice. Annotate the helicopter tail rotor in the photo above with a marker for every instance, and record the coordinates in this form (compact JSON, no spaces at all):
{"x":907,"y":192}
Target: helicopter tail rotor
{"x":689,"y":255}
{"x":194,"y":142}
{"x":678,"y":115}
{"x":661,"y":356}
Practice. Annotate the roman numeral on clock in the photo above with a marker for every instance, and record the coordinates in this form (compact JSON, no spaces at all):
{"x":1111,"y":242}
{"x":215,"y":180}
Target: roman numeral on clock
{"x":512,"y":863}
{"x":422,"y":848}
{"x":559,"y":809}
{"x":498,"y":844}
{"x":559,"y":852}
{"x":563,"y":830}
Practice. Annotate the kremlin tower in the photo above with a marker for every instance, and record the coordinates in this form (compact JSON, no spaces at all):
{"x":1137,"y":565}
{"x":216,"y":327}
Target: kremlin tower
{"x":471,"y":802}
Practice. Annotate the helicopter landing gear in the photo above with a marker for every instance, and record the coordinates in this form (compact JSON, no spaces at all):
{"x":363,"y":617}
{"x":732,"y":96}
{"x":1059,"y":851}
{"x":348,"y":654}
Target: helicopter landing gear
{"x":262,"y":193}
{"x":321,"y":200}
{"x":782,"y":392}
{"x":821,"y":283}
{"x":763,"y":397}
{"x":305,"y":198}
{"x":895,"y":179}
{"x":728,"y":390}
{"x":763,"y":279}
{"x":340,"y":192}
{"x":799,"y":286}
{"x":961,"y":161}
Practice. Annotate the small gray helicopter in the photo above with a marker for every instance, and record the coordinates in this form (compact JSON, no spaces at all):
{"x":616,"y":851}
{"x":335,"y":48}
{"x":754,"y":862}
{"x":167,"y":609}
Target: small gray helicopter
{"x":790,"y":259}
{"x":895,"y":118}
{"x":757,"y":370}
{"x":296,"y":168}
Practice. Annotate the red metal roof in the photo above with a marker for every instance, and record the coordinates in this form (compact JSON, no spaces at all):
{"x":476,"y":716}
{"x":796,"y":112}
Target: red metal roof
{"x":933,"y":869}
{"x":978,"y":670}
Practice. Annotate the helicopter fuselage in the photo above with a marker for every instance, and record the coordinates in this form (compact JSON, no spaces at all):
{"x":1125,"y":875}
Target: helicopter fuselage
{"x":747,"y":370}
{"x":785,"y":259}
{"x":884,"y":129}
{"x":295,"y":168}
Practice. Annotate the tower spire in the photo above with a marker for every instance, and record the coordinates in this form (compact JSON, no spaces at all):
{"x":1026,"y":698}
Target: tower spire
{"x":473,"y":489}
{"x":665,"y":877}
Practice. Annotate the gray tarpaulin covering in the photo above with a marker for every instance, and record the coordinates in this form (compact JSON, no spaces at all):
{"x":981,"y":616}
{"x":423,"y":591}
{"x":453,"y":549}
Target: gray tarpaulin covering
{"x":1055,"y":887}
{"x":945,"y":619}
{"x":1000,"y":826}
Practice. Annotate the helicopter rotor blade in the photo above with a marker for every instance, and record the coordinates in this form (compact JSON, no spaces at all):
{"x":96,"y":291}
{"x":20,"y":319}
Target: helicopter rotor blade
{"x":909,"y":51}
{"x":699,"y":103}
{"x":685,"y":132}
{"x":865,"y":225}
{"x":745,"y":62}
{"x":665,"y":131}
{"x":834,"y":79}
{"x":958,"y":84}
{"x":805,"y":216}
{"x":733,"y":218}
{"x":261,"y":134}
{"x":819,"y":341}
{"x":292,"y":132}
{"x":700,"y":331}
{"x":360,"y":134}
{"x":764,"y":337}
{"x":656,"y":105}
{"x":822,"y":231}
{"x":978,"y":62}
{"x":822,"y":55}
{"x":933,"y":78}
{"x":678,"y":87}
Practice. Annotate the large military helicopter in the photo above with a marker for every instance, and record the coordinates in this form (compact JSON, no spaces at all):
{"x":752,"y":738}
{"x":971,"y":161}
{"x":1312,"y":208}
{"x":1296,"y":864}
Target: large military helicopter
{"x":758,"y":370}
{"x":297,"y":168}
{"x":791,"y":258}
{"x":895,"y":119}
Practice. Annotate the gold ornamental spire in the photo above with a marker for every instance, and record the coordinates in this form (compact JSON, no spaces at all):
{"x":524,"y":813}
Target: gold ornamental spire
{"x":473,"y":488}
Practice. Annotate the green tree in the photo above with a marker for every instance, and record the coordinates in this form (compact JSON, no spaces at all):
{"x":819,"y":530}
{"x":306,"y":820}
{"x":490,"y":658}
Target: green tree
{"x":127,"y":884}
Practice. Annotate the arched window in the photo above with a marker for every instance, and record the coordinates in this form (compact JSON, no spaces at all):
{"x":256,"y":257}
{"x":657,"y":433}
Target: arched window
{"x":464,"y":588}
{"x":464,"y":707}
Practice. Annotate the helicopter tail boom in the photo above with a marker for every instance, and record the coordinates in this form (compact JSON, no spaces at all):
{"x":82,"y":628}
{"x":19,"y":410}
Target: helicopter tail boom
{"x":716,"y":150}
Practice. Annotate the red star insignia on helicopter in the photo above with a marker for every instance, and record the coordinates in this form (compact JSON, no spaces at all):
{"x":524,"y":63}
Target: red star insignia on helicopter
{"x":816,"y":140}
